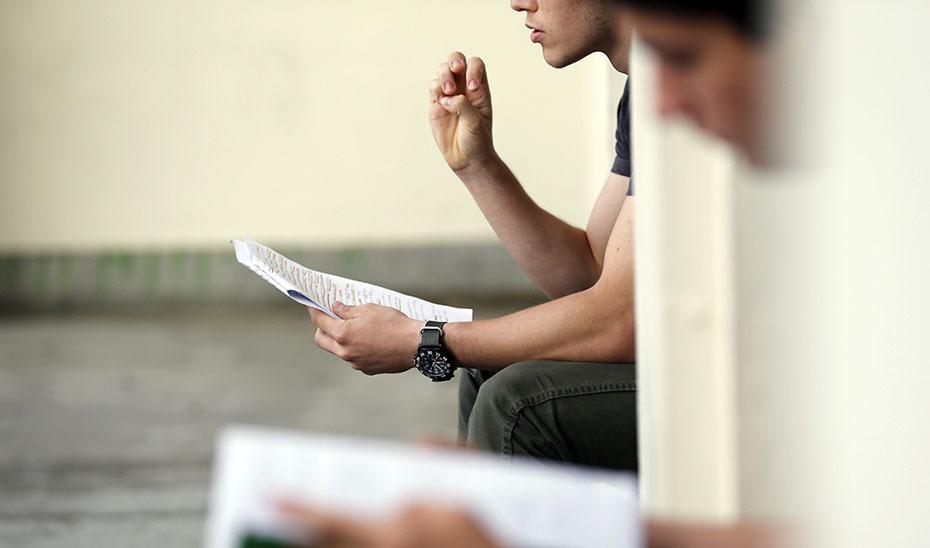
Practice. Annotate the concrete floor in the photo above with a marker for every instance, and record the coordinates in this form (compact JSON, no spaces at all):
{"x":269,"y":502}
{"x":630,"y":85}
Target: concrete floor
{"x":107,"y":422}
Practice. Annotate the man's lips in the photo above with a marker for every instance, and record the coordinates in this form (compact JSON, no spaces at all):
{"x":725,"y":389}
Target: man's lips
{"x":535,"y":33}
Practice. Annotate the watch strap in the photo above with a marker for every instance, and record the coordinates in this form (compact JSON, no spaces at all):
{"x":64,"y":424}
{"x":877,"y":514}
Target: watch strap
{"x":431,"y":334}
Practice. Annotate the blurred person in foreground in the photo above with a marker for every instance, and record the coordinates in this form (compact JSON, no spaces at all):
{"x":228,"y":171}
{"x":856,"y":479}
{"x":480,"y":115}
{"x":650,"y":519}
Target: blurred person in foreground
{"x":710,"y":56}
{"x":552,"y":382}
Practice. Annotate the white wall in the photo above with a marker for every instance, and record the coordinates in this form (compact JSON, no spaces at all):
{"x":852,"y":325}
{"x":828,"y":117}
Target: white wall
{"x":131,"y":123}
{"x":873,"y":174}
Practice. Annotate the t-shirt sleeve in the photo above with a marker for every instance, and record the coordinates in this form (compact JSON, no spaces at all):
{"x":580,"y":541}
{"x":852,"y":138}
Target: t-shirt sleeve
{"x":623,"y":164}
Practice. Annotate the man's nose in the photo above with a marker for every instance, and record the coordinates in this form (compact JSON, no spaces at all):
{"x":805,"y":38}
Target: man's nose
{"x":523,"y":5}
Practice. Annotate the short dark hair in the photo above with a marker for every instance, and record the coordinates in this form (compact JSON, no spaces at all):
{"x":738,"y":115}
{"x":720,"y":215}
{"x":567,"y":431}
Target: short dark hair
{"x":747,"y":16}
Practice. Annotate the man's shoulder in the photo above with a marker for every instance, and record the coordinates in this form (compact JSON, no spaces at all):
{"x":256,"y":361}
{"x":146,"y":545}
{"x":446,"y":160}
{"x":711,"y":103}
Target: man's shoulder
{"x":622,"y":162}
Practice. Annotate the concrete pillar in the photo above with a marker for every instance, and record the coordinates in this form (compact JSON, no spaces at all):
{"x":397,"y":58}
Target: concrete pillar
{"x":684,"y":300}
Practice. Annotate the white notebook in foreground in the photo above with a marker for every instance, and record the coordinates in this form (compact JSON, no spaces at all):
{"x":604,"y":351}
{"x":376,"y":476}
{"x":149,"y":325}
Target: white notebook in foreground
{"x":320,"y":290}
{"x":521,"y":504}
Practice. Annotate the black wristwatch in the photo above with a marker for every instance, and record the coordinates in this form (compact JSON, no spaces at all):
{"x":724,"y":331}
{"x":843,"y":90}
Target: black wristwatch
{"x":432,"y":359}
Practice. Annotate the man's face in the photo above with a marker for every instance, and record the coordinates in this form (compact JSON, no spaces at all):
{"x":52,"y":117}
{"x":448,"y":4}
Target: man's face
{"x":708,"y":72}
{"x":567,"y":30}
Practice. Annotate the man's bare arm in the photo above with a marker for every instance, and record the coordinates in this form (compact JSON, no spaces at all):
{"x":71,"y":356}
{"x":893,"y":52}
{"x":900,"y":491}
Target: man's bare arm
{"x":559,"y":258}
{"x":594,"y":325}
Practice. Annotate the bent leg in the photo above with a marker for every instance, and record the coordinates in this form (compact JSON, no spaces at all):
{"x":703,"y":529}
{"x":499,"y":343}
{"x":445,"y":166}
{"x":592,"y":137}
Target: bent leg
{"x":583,"y":413}
{"x":470,"y":382}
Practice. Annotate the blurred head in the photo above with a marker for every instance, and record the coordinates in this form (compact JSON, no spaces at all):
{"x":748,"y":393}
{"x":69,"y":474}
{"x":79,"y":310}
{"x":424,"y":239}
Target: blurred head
{"x":710,"y":63}
{"x":569,"y":30}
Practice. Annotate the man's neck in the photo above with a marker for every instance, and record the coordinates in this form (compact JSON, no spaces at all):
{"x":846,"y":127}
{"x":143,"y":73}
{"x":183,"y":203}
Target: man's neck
{"x":617,"y":46}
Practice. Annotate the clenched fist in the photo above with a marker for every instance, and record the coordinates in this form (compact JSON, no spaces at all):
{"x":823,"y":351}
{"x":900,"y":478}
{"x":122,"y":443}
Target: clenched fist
{"x":460,"y":112}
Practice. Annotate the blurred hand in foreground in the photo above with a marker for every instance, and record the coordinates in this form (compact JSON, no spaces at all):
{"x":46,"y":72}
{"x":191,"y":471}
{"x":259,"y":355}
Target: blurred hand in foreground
{"x":683,"y":535}
{"x":374,"y":339}
{"x":417,"y":526}
{"x":430,"y":526}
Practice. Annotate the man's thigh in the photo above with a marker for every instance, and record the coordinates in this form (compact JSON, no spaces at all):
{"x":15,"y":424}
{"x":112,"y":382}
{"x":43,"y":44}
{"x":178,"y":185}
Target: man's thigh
{"x":583,"y":413}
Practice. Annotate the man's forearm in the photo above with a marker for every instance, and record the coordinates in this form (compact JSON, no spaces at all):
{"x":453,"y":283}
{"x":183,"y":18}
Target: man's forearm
{"x":555,"y":255}
{"x":595,"y":325}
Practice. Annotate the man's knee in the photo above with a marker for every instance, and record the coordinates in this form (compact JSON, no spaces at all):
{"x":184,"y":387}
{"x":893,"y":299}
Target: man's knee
{"x":571,"y":412}
{"x":497,"y":404}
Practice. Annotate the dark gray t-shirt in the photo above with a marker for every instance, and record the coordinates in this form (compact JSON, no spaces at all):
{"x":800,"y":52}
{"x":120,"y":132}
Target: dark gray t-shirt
{"x":623,"y":164}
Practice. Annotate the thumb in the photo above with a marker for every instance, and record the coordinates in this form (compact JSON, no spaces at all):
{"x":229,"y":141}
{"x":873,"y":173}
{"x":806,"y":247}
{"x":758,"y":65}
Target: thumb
{"x":344,"y":311}
{"x":460,"y":105}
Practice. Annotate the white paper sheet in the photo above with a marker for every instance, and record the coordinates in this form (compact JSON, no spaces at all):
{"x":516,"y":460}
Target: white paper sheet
{"x":320,"y":290}
{"x":521,"y":504}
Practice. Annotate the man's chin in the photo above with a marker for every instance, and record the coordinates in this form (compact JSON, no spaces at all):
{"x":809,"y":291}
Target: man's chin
{"x":562,"y":59}
{"x":555,"y":60}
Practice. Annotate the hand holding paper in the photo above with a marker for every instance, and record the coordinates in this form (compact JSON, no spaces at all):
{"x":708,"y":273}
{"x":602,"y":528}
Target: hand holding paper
{"x":516,"y":504}
{"x":374,"y":339}
{"x":420,"y":525}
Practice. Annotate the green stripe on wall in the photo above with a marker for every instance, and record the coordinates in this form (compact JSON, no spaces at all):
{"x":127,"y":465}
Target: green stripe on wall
{"x":204,"y":278}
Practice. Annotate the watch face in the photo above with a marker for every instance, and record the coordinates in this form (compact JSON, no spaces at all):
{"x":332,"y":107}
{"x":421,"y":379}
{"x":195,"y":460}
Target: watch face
{"x":433,"y":363}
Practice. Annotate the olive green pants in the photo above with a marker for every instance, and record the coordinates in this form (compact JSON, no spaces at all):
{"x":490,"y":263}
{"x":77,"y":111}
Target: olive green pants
{"x":582,"y":413}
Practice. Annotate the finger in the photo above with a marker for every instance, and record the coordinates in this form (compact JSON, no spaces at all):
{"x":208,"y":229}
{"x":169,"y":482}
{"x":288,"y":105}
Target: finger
{"x":329,"y":528}
{"x":314,"y":313}
{"x":476,"y":79}
{"x":461,"y":106}
{"x":435,"y":90}
{"x":345,"y":311}
{"x":327,"y":343}
{"x":437,"y":443}
{"x":446,"y":79}
{"x":324,"y":321}
{"x":457,"y":62}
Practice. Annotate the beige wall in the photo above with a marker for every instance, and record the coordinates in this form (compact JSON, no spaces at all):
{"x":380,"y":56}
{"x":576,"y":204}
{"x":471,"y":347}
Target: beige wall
{"x":126,"y":123}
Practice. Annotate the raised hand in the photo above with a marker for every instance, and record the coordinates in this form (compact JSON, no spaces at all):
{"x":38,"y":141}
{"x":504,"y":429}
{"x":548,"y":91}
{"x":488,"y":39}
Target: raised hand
{"x":460,"y":112}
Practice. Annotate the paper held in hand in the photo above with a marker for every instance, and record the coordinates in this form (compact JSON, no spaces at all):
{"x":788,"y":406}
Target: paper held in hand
{"x":519,"y":503}
{"x":319,"y":290}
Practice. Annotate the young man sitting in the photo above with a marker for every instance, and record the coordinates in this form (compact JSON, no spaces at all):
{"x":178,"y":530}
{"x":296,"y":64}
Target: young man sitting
{"x":710,"y":54}
{"x":554,"y":381}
